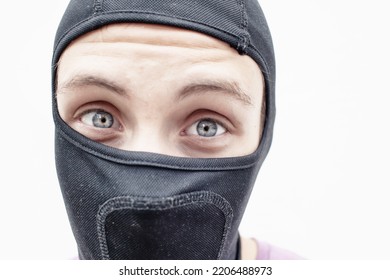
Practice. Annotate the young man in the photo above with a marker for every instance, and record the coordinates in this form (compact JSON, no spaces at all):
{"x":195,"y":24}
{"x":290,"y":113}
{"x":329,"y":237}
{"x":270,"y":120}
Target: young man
{"x":164,"y":113}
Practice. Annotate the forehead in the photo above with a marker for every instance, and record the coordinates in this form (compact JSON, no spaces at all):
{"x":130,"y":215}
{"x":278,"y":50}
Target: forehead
{"x":159,"y":39}
{"x":152,"y":34}
{"x":140,"y":42}
{"x":170,"y":53}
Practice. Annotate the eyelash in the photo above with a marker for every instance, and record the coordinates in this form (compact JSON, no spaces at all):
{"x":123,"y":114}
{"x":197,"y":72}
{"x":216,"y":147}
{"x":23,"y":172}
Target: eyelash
{"x":95,"y":133}
{"x":115,"y":121}
{"x":195,"y":125}
{"x":107,"y":134}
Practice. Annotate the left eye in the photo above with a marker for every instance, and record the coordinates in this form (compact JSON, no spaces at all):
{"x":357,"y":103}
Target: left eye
{"x":98,"y":118}
{"x":206,"y":128}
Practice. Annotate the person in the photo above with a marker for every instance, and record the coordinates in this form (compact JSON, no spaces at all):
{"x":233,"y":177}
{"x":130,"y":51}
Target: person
{"x":164,"y":113}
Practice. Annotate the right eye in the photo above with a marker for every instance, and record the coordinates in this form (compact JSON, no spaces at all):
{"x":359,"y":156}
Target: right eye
{"x":98,"y":119}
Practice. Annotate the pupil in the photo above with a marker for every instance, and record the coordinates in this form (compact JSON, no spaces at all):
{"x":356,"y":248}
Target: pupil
{"x":102,"y":119}
{"x":207,"y":128}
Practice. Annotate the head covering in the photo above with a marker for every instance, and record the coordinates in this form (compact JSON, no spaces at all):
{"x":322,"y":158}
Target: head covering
{"x":139,"y":205}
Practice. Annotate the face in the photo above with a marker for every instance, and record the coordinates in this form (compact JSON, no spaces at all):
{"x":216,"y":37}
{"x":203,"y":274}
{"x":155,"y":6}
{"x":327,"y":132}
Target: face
{"x":161,"y":89}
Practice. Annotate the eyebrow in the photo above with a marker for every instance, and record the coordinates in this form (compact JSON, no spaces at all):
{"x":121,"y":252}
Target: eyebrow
{"x":88,"y":80}
{"x":228,"y":87}
{"x":198,"y":87}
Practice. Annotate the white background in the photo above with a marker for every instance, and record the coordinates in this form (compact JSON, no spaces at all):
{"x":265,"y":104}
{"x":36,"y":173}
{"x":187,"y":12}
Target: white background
{"x":323,"y":191}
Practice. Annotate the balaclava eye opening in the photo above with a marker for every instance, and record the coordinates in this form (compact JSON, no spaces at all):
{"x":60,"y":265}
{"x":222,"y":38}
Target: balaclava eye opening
{"x":139,"y":205}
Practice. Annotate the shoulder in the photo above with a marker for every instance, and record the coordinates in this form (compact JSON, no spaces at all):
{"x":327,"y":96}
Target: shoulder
{"x":267,"y":251}
{"x":253,"y":249}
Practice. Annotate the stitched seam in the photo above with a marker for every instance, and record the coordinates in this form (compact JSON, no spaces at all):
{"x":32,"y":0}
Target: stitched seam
{"x":243,"y":43}
{"x":98,"y":7}
{"x":122,"y":203}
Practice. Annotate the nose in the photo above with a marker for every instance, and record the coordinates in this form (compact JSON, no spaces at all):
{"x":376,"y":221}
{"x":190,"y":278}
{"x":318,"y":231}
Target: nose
{"x":149,"y":140}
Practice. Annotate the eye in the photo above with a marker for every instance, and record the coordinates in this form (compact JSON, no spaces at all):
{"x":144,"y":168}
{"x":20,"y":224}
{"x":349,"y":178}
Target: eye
{"x":98,"y":118}
{"x":206,"y":128}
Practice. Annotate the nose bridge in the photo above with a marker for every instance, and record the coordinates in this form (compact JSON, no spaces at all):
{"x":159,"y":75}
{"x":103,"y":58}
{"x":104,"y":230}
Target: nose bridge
{"x":146,"y":136}
{"x":149,"y":107}
{"x":146,"y":142}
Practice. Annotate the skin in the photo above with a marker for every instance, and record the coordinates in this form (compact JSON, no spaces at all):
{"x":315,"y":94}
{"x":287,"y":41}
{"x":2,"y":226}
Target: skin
{"x":164,"y":90}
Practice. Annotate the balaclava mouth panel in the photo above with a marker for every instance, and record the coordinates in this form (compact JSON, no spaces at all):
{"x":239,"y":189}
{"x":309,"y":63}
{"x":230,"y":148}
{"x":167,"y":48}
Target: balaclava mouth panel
{"x":139,"y":205}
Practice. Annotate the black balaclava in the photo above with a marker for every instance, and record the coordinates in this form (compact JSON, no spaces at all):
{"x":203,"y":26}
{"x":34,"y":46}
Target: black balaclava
{"x":140,"y":205}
